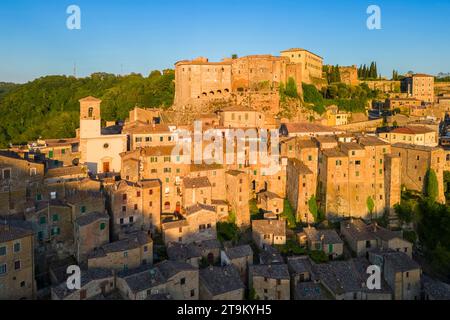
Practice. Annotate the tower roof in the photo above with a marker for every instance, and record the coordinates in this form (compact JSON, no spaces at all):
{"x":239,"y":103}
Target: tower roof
{"x":89,"y":99}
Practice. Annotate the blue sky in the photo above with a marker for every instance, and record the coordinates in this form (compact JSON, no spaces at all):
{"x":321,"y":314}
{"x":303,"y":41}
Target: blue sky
{"x":142,"y":35}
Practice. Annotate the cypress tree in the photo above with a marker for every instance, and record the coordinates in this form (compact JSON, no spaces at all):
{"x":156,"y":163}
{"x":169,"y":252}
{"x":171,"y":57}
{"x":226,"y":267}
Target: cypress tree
{"x":431,"y":185}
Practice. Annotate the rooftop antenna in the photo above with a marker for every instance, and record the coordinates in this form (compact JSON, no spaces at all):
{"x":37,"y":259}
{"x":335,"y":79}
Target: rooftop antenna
{"x":75,"y":69}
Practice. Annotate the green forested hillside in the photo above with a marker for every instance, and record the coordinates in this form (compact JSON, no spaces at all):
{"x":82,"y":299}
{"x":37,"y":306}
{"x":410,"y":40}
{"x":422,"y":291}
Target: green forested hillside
{"x":48,"y":106}
{"x":6,"y":87}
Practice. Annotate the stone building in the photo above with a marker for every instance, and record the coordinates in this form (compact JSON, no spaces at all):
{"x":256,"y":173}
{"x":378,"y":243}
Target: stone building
{"x":416,"y":135}
{"x":189,"y":253}
{"x":306,"y":129}
{"x":196,"y":190}
{"x":270,"y":282}
{"x":324,"y":240}
{"x":149,"y":135}
{"x":152,"y":163}
{"x":241,"y":117}
{"x":402,"y":273}
{"x":241,"y":257}
{"x":216,"y":176}
{"x":268,"y":232}
{"x":301,"y":185}
{"x":182,"y":279}
{"x":335,"y":117}
{"x":300,"y":270}
{"x":311,"y":63}
{"x":200,"y":79}
{"x":221,"y":283}
{"x":404,"y":104}
{"x":91,"y":232}
{"x":52,"y":222}
{"x":351,"y":173}
{"x":95,"y":285}
{"x":346,"y":280}
{"x":135,"y":206}
{"x":55,"y":152}
{"x":238,"y":196}
{"x":18,"y":177}
{"x":197,"y":224}
{"x":416,"y":161}
{"x":349,"y":75}
{"x":128,"y":253}
{"x":363,"y":238}
{"x":16,"y":261}
{"x":141,"y":283}
{"x":270,"y":202}
{"x":419,"y":86}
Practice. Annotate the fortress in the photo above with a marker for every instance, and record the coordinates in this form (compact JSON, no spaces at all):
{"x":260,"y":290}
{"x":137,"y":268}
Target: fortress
{"x":200,"y":81}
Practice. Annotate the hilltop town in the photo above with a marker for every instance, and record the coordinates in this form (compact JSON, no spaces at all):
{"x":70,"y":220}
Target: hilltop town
{"x":360,"y":178}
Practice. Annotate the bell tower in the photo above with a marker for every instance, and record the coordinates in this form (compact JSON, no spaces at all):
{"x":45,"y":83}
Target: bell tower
{"x":90,"y":119}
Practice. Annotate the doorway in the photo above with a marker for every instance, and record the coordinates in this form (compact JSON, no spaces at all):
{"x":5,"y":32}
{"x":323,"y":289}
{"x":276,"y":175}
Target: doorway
{"x":106,"y":168}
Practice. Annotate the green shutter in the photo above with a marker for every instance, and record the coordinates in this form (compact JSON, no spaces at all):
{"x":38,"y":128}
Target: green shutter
{"x":330,"y":248}
{"x":50,"y":154}
{"x":102,"y":226}
{"x":42,"y":220}
{"x":55,"y":217}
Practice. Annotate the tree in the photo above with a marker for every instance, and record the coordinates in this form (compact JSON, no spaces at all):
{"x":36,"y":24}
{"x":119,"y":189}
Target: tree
{"x":370,"y":205}
{"x":312,"y":204}
{"x":432,"y":190}
{"x":291,"y":88}
{"x":234,"y":56}
{"x":48,"y":106}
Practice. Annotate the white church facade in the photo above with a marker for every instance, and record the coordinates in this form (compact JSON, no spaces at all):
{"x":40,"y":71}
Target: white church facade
{"x":100,"y":148}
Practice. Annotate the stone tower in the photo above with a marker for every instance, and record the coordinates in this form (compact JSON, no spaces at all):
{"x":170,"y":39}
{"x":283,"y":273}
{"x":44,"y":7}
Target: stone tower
{"x":90,"y":119}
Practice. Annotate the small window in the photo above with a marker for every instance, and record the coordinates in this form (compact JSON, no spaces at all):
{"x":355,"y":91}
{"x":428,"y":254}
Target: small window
{"x":55,"y":231}
{"x":42,"y":220}
{"x":183,"y":281}
{"x":55,"y":217}
{"x":6,"y":173}
{"x":17,"y":247}
{"x":102,"y":226}
{"x":2,"y":251}
{"x":83,"y":209}
{"x":17,"y":265}
{"x":3,"y":269}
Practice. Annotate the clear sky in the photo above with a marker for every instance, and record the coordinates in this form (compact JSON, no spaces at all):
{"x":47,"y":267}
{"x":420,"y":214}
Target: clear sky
{"x":123,"y":36}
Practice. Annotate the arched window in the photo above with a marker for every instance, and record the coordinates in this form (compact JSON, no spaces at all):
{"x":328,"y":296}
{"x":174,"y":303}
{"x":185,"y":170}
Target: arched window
{"x":90,"y":112}
{"x":167,"y":205}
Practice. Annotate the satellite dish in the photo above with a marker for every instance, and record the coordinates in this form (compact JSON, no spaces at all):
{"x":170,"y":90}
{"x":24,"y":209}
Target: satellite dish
{"x":76,"y":162}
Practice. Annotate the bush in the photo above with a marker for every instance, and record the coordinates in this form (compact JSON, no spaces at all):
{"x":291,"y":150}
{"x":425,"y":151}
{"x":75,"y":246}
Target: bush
{"x":288,"y":214}
{"x":410,"y":236}
{"x":291,"y":248}
{"x":227,"y":232}
{"x":318,"y":256}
